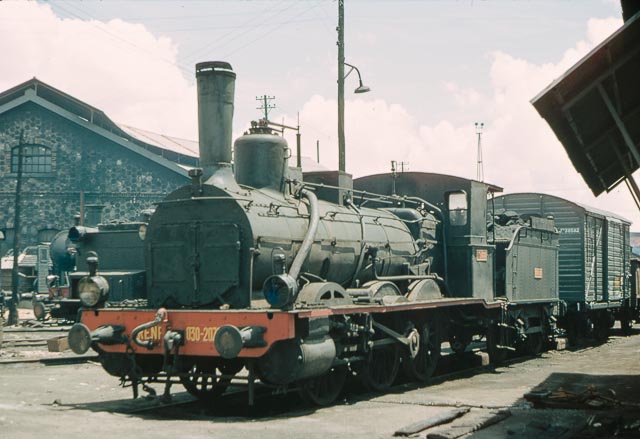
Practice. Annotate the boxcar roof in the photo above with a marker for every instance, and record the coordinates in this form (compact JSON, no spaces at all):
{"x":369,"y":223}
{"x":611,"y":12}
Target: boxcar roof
{"x":584,"y":207}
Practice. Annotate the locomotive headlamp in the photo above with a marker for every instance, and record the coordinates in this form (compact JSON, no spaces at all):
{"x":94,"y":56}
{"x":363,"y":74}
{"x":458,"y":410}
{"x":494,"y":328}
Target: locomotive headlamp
{"x":79,"y":338}
{"x":142,"y":232}
{"x":93,"y":290}
{"x":279,"y":290}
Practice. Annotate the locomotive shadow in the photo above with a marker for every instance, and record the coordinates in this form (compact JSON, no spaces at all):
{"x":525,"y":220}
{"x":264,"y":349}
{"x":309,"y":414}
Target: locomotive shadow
{"x":233,"y":407}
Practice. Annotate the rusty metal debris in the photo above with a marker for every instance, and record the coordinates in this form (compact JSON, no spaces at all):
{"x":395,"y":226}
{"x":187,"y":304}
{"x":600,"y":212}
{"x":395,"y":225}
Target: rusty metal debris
{"x":590,"y":398}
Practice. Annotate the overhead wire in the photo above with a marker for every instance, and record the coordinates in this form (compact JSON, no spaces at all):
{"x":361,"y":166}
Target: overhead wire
{"x":94,"y":22}
{"x":72,"y":10}
{"x":271,"y":31}
{"x":260,"y":14}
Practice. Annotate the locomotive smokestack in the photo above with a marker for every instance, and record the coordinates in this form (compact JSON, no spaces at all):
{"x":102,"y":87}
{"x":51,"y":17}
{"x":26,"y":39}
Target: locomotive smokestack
{"x":216,"y":86}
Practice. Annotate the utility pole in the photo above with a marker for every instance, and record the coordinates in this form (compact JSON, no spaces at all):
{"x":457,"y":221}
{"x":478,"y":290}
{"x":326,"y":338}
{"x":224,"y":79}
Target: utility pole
{"x":265,"y":105}
{"x":341,"y":142}
{"x":13,"y":303}
{"x":479,"y":167}
{"x":317,"y":151}
{"x":394,"y":175}
{"x":299,"y":145}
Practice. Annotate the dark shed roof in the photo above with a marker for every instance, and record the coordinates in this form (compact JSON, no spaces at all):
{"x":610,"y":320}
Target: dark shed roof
{"x":594,"y":109}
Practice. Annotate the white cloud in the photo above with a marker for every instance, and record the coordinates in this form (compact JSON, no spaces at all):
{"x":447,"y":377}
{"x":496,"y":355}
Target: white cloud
{"x":91,"y":61}
{"x":464,"y":97}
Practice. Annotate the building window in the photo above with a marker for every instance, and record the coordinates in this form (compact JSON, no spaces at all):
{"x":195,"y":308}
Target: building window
{"x":36,"y":159}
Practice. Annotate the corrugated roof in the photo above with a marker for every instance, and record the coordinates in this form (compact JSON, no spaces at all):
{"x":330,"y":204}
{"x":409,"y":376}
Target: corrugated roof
{"x":175,"y":144}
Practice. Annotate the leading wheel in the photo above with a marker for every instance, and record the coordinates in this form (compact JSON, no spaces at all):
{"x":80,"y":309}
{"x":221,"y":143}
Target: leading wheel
{"x":208,"y":380}
{"x":421,"y":367}
{"x":324,"y":389}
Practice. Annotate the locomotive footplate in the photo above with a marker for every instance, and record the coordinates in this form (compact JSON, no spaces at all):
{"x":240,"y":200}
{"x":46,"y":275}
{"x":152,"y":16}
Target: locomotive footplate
{"x":252,"y":332}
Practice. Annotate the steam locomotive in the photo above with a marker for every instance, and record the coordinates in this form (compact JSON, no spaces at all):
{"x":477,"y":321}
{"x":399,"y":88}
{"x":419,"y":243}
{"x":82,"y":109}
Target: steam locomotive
{"x":304,"y":279}
{"x":120,"y":245}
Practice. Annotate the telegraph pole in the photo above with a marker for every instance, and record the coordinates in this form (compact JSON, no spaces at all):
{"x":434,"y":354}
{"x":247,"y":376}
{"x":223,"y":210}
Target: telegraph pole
{"x":341,"y":142}
{"x":265,"y":105}
{"x":13,"y":303}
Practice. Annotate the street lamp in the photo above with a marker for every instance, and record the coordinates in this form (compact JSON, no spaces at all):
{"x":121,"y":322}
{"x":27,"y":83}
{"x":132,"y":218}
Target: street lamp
{"x":362,"y":88}
{"x":341,"y":77}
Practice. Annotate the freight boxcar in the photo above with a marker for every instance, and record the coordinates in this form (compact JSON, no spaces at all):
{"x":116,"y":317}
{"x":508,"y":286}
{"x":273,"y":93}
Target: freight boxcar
{"x":594,"y":260}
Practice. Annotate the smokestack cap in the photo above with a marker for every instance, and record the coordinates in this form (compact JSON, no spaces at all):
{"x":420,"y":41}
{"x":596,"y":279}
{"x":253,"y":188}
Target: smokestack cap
{"x":214,"y":68}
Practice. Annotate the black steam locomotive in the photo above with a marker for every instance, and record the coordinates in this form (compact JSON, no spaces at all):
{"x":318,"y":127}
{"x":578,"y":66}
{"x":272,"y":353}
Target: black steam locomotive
{"x":121,"y":249}
{"x":301,"y":279}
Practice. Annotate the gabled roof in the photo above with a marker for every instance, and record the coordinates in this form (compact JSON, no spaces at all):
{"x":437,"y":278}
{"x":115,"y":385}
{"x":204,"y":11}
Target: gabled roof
{"x":95,"y":120}
{"x":594,"y":110}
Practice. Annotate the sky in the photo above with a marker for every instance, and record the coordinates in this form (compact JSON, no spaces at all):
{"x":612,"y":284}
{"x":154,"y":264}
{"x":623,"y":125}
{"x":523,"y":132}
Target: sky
{"x":435,"y":68}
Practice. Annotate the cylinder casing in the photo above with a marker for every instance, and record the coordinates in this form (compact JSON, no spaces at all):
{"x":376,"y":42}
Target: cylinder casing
{"x":291,"y":360}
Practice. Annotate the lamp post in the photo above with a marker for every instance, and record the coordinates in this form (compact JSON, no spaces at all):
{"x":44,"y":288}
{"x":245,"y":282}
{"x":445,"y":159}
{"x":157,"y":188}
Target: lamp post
{"x":341,"y":77}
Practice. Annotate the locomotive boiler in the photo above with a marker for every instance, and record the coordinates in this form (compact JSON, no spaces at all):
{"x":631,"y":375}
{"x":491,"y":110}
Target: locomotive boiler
{"x":227,"y":240}
{"x":253,"y":266}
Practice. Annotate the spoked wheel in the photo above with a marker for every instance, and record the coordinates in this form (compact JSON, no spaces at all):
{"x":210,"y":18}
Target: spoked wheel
{"x":626,"y":324}
{"x":205,"y":380}
{"x":533,"y":344}
{"x":380,"y":369}
{"x":324,"y":389}
{"x":601,"y":328}
{"x":421,"y":367}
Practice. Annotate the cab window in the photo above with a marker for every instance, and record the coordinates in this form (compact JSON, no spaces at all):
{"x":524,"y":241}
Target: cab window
{"x":458,"y":208}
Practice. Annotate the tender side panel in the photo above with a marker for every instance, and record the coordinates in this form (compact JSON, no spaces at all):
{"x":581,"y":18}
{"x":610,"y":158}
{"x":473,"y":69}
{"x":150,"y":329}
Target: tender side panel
{"x":531,"y":267}
{"x":569,"y":220}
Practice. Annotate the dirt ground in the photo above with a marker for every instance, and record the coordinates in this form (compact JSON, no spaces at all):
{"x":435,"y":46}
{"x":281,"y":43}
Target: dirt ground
{"x":597,"y":385}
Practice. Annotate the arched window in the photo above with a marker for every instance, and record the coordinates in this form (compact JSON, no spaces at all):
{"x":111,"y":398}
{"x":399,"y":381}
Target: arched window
{"x":36,"y":159}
